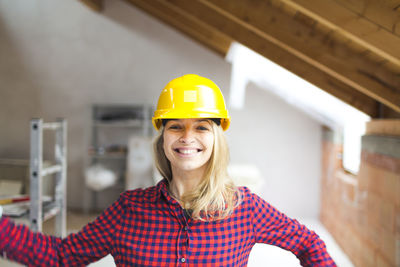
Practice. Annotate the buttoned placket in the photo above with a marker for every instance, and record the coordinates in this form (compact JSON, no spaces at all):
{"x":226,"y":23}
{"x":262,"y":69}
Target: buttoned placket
{"x":183,"y":239}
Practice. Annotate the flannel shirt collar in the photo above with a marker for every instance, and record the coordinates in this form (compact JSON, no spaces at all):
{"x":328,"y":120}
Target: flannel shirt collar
{"x":162,"y":191}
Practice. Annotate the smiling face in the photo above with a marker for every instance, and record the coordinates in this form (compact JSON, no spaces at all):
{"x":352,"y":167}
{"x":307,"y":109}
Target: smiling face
{"x":188,"y":144}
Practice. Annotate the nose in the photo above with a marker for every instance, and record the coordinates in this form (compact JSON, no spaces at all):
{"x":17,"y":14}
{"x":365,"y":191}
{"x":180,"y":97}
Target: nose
{"x":187,"y":136}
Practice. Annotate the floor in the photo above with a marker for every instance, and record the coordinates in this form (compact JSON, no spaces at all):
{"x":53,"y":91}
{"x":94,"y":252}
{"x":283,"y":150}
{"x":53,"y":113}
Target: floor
{"x":261,"y":255}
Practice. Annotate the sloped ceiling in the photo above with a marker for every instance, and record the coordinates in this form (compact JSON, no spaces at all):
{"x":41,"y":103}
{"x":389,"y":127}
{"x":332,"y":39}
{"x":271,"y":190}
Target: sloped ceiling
{"x":348,"y":48}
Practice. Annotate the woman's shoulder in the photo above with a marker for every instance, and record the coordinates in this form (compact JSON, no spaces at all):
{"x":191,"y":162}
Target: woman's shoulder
{"x":245,"y":191}
{"x":246,"y":195}
{"x":250,"y":197}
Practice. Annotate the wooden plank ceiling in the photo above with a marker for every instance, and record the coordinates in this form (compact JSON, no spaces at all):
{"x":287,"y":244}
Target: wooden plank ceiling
{"x":348,"y":48}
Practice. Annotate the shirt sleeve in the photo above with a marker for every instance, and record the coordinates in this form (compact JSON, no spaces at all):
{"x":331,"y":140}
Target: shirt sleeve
{"x":93,"y":242}
{"x":275,"y":228}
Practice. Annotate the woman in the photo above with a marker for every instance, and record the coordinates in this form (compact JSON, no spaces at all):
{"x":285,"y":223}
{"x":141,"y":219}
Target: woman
{"x":195,"y":216}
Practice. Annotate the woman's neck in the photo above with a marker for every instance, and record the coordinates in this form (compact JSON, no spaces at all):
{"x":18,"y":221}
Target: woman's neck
{"x":183,"y":183}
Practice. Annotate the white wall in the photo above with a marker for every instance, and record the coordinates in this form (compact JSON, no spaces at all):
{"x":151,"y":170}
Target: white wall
{"x":59,"y":57}
{"x":285,"y":144}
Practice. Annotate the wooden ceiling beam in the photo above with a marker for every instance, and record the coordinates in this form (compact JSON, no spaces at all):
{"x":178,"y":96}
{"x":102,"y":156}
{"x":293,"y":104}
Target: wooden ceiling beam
{"x":193,"y":27}
{"x":384,"y":13}
{"x":374,"y":34}
{"x":96,"y":5}
{"x":266,"y":24}
{"x":274,"y":49}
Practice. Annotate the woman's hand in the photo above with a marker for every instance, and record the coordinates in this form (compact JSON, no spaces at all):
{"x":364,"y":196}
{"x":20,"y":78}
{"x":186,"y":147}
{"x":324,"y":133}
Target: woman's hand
{"x":1,"y":211}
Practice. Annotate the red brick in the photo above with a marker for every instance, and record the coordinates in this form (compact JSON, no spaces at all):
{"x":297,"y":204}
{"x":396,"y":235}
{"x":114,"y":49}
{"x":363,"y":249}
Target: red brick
{"x":382,"y":161}
{"x":397,"y":248}
{"x":387,"y":218}
{"x":374,"y":234}
{"x":397,"y":229}
{"x":351,"y":244}
{"x":361,"y":222}
{"x":364,"y":219}
{"x":391,"y":187}
{"x":388,"y":247}
{"x":375,"y":180}
{"x":368,"y":255}
{"x":358,"y":243}
{"x":373,"y":208}
{"x":349,"y":192}
{"x":361,"y":198}
{"x":381,"y":261}
{"x":362,"y":177}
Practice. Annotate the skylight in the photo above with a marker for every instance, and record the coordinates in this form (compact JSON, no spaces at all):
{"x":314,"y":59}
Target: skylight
{"x":248,"y":66}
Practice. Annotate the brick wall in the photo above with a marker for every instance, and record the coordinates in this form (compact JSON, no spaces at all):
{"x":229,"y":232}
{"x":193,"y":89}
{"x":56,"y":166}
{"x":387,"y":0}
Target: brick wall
{"x":362,"y":211}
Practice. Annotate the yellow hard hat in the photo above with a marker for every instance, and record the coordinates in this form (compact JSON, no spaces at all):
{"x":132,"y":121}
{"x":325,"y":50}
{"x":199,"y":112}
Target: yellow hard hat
{"x":191,"y":96}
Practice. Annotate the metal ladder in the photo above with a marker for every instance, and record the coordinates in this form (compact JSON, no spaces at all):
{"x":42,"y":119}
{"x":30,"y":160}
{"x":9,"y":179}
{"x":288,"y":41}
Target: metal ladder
{"x":38,"y":214}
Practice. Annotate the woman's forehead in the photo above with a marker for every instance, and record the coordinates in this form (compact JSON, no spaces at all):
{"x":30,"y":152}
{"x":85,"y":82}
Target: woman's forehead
{"x":193,"y":120}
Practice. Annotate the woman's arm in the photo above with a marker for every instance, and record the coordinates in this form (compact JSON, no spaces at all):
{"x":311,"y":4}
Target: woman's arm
{"x":275,"y":228}
{"x":93,"y":242}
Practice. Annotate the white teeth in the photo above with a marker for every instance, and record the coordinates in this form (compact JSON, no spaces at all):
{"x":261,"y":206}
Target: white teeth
{"x":187,"y":151}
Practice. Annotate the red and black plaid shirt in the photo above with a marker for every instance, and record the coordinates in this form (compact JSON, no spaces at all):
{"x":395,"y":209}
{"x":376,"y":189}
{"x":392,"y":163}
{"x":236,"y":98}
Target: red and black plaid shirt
{"x":146,"y":227}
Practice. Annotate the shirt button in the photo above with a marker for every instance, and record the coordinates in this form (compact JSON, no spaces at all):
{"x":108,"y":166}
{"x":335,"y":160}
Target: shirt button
{"x":183,"y":259}
{"x":186,"y":228}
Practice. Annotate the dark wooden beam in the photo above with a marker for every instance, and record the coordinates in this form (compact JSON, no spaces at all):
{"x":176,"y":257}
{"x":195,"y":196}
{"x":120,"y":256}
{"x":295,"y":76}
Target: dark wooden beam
{"x":307,"y":44}
{"x":187,"y":24}
{"x":369,"y":23}
{"x":237,"y":23}
{"x":96,"y":5}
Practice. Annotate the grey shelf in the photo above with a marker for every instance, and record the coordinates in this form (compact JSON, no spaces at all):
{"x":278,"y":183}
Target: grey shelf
{"x":111,"y":127}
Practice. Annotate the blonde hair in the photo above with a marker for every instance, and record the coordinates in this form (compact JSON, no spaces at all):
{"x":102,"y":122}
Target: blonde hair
{"x":217,"y":196}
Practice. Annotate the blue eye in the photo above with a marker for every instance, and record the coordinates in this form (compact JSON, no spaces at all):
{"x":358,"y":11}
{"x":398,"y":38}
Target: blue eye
{"x":174,"y":127}
{"x":202,"y":128}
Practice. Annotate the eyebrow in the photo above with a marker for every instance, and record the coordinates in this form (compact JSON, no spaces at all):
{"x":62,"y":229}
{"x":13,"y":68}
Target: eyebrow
{"x":201,"y":120}
{"x":165,"y":121}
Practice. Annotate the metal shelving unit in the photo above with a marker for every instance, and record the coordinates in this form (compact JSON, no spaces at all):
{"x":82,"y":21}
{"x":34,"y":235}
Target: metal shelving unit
{"x":39,"y":213}
{"x":111,"y":127}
